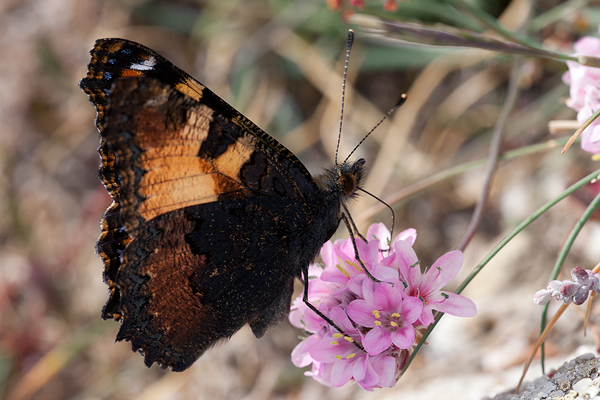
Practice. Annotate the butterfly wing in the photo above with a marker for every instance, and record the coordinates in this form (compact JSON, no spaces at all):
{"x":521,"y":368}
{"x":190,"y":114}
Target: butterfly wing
{"x":206,"y":208}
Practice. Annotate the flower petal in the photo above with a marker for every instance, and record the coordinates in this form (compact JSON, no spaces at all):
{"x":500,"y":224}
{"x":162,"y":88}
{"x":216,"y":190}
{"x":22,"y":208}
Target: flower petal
{"x":405,"y":257}
{"x":376,"y":341}
{"x":300,"y":355}
{"x":369,"y":377}
{"x":449,"y":264}
{"x":409,"y":236}
{"x":361,"y":312}
{"x":388,"y":297}
{"x":368,"y":290}
{"x":411,"y":309}
{"x":329,"y":349}
{"x":328,"y":255}
{"x":379,"y":232}
{"x":542,"y":297}
{"x":426,"y":317}
{"x":355,"y":284}
{"x":457,"y":305}
{"x":360,"y":367}
{"x":339,"y":316}
{"x":341,"y":373}
{"x":403,"y":337}
{"x":385,"y":368}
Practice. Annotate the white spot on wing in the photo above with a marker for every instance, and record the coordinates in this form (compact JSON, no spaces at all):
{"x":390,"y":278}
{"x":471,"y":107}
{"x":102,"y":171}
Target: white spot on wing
{"x":146,"y":65}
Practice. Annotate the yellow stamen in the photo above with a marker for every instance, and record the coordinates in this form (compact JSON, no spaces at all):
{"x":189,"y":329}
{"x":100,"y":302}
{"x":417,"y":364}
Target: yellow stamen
{"x":355,"y":265}
{"x":337,"y":335}
{"x":338,"y":357}
{"x":343,"y":271}
{"x":334,"y":342}
{"x":351,"y":356}
{"x":395,"y":315}
{"x":376,"y":314}
{"x":349,"y":339}
{"x":393,"y":323}
{"x":378,"y":323}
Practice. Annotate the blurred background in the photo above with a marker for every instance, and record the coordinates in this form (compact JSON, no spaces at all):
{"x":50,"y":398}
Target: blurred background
{"x":279,"y":62}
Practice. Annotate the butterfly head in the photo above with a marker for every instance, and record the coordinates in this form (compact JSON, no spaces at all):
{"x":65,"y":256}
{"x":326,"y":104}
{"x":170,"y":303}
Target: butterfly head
{"x":348,"y":177}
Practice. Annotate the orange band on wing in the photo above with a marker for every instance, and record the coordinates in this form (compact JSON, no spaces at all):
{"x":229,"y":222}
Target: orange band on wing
{"x":175,"y":177}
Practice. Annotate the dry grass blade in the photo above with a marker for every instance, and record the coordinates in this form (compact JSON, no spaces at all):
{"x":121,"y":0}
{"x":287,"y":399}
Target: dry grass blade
{"x":541,"y":340}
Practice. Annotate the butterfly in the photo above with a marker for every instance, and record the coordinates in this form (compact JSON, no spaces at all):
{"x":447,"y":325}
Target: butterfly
{"x":212,"y":219}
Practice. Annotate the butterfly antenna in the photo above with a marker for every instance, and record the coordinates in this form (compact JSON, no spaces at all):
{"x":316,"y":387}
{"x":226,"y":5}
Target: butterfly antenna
{"x":348,"y":47}
{"x":397,"y":106}
{"x":388,"y":206}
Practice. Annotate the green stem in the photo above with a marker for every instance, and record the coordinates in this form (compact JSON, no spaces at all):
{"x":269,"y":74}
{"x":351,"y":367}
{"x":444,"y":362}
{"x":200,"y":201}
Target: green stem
{"x":492,"y":23}
{"x":448,"y":36}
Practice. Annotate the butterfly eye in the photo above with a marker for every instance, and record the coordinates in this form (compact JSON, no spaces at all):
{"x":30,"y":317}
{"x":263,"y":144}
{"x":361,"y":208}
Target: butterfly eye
{"x":347,"y":182}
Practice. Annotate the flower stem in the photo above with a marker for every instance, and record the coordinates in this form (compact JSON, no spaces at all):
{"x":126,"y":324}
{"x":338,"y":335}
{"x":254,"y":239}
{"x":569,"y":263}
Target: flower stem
{"x":509,"y":104}
{"x":579,"y":130}
{"x":492,"y":23}
{"x":449,"y":36}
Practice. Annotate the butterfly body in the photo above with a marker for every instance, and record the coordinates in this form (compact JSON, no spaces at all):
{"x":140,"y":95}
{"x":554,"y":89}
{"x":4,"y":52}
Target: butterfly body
{"x":212,"y":218}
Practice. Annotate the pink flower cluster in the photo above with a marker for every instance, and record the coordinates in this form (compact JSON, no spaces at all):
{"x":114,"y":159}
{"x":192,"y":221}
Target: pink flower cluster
{"x":379,"y":320}
{"x":389,"y":5}
{"x":585,"y":91}
{"x":578,"y":290}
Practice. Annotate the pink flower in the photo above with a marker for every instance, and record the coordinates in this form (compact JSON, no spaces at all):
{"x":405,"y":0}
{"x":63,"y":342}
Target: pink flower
{"x":337,"y":359}
{"x":578,"y":290}
{"x":389,"y":316}
{"x":319,"y":292}
{"x":428,"y":286}
{"x":585,"y":91}
{"x":378,"y":319}
{"x":347,"y":360}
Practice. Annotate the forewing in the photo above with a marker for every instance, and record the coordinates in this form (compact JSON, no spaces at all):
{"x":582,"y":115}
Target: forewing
{"x":118,"y":59}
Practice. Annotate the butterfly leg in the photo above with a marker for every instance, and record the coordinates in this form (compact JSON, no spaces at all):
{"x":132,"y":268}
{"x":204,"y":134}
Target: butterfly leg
{"x":349,"y":227}
{"x":320,"y":314}
{"x":347,"y":213}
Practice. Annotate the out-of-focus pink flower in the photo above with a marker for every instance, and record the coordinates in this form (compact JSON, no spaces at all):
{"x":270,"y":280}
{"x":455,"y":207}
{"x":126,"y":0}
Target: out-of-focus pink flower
{"x":390,"y":5}
{"x":578,"y":290}
{"x":584,"y":91}
{"x":360,"y":4}
{"x":334,"y":4}
{"x":378,"y":319}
